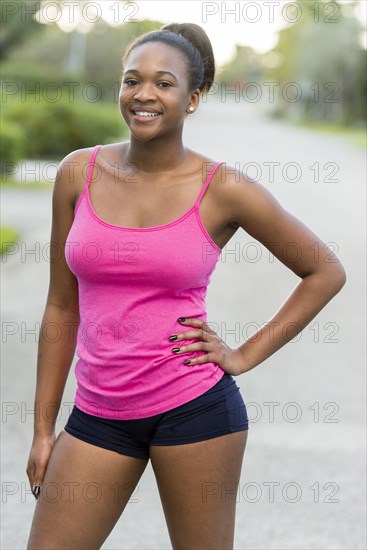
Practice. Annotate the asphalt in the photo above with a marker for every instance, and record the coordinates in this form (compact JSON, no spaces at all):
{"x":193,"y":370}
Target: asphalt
{"x":303,"y":478}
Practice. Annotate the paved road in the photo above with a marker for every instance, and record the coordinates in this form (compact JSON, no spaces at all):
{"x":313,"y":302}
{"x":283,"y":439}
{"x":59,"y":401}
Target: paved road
{"x":303,"y":478}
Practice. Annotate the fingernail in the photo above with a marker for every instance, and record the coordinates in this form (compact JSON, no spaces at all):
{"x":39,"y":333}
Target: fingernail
{"x":181,"y":319}
{"x":174,"y":337}
{"x":36,"y":491}
{"x":175,"y":349}
{"x":187,"y":362}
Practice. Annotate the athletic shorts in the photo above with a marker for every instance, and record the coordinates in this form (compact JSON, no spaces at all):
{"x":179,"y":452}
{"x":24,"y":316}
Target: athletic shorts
{"x":220,"y":410}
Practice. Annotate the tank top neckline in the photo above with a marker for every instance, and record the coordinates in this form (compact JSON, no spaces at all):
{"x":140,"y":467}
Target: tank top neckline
{"x":193,"y":208}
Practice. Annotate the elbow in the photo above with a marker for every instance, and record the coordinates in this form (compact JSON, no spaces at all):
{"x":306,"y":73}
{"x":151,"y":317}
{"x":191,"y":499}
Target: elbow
{"x":337,"y":277}
{"x":341,"y":275}
{"x":330,"y":277}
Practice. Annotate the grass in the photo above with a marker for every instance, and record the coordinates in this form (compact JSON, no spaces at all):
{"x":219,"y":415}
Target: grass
{"x":357,"y":136}
{"x":12,"y":183}
{"x":8,"y":235}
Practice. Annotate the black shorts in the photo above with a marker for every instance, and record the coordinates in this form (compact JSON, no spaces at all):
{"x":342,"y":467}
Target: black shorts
{"x":219,"y":411}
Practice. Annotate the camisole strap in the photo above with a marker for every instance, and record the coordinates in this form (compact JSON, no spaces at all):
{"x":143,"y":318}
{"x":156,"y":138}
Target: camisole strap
{"x":91,"y":164}
{"x":207,"y":182}
{"x":89,"y":176}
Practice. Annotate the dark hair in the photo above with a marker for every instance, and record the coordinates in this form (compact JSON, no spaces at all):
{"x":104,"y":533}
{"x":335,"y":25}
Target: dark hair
{"x":193,"y":42}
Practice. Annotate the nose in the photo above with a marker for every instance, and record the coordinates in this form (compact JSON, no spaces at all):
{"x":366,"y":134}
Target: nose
{"x":144,"y":92}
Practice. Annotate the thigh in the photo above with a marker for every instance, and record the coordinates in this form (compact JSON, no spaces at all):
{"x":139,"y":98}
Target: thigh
{"x":84,"y":492}
{"x":198,"y":487}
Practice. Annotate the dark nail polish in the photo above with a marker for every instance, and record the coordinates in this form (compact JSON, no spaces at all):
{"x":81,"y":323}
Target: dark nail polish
{"x":36,"y":491}
{"x":175,"y":349}
{"x":181,"y":319}
{"x":187,"y":362}
{"x":174,"y":337}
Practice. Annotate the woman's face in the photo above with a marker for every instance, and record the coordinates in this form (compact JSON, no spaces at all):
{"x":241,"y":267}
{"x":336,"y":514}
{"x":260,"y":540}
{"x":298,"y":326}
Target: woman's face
{"x":154,"y":93}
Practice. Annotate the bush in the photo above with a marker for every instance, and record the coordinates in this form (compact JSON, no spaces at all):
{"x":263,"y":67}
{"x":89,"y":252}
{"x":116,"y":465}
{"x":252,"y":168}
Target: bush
{"x":12,"y":144}
{"x":52,"y":130}
{"x":8,"y":236}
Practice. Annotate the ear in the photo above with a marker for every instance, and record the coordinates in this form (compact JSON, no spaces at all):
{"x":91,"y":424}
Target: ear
{"x":194,"y":100}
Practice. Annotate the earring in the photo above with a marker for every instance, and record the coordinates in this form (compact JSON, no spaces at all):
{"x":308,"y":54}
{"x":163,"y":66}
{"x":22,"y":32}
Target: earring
{"x":191,"y":109}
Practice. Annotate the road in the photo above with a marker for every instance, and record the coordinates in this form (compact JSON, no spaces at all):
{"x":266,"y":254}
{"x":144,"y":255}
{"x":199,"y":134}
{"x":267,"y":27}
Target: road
{"x":303,"y":478}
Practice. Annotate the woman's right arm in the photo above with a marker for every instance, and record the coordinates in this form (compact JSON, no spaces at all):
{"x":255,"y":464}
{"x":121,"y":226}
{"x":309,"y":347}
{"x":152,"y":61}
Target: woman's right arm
{"x":57,"y":338}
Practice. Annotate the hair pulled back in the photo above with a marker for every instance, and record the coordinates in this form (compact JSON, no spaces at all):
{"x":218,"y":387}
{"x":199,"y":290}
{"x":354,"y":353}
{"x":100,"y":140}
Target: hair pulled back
{"x":193,"y":42}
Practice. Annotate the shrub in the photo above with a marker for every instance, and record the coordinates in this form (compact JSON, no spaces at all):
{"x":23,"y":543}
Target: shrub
{"x":12,"y":144}
{"x":8,"y":236}
{"x":52,"y":130}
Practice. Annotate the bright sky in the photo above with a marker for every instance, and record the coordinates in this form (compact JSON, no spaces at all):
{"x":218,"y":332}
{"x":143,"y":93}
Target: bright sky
{"x":247,"y":25}
{"x":252,"y":23}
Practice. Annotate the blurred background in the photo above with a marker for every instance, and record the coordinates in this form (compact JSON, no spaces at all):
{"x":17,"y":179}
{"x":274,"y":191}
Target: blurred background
{"x":303,"y":62}
{"x":288,"y":107}
{"x":59,"y":60}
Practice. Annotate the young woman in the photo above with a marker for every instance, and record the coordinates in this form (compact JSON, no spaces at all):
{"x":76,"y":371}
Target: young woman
{"x":140,"y":240}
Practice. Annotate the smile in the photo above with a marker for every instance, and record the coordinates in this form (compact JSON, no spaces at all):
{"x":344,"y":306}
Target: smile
{"x":146,"y":114}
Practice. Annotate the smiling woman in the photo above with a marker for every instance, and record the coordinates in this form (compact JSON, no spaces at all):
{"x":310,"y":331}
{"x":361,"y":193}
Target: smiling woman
{"x":141,"y":239}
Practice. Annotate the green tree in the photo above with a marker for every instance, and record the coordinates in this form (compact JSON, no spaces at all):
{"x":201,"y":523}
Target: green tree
{"x":245,"y":67}
{"x":17,"y":24}
{"x":321,"y":52}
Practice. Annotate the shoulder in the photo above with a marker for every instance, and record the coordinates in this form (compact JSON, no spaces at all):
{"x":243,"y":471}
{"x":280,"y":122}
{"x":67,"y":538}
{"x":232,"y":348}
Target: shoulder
{"x":241,"y":199}
{"x":230,"y":188}
{"x":71,"y":175}
{"x":76,"y":160}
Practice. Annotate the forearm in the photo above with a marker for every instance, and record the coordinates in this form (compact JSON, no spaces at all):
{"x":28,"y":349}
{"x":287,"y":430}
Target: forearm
{"x":304,"y":303}
{"x":56,"y":348}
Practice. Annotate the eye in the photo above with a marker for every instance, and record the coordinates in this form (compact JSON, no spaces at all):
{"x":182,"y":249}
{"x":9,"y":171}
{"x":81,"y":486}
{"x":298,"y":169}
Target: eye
{"x":165,"y":84}
{"x":130,"y":82}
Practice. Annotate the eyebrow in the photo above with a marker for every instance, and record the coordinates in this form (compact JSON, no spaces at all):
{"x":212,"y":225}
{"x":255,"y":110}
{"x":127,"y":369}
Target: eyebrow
{"x":157,"y":72}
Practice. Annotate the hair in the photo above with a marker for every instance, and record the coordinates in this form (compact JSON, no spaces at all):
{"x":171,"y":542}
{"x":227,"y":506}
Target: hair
{"x":193,"y":42}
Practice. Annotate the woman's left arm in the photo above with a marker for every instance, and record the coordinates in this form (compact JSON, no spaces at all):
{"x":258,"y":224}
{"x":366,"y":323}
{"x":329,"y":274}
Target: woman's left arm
{"x":248,"y":204}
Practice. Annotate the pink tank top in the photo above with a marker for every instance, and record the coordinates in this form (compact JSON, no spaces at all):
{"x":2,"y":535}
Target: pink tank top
{"x":133,"y":284}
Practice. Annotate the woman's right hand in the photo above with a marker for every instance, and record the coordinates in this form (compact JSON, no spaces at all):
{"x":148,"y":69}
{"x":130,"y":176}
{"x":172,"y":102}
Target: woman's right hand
{"x":38,"y":459}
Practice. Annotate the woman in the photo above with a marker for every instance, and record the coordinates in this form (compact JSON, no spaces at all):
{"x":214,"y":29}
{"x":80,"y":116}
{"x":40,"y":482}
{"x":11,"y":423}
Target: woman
{"x":141,"y":238}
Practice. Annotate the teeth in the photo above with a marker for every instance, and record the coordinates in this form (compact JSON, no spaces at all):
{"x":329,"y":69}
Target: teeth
{"x":145,"y":113}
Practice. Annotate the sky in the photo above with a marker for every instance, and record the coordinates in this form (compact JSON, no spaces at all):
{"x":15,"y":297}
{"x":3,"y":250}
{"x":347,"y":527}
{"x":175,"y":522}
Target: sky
{"x":248,"y":23}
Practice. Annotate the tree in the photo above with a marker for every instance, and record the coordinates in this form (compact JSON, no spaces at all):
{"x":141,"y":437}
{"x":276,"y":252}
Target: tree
{"x":321,"y":53}
{"x":244,"y":67}
{"x":17,"y":24}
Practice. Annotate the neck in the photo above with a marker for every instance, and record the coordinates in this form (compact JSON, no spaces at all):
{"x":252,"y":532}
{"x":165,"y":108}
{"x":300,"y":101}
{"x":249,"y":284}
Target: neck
{"x":155,"y":156}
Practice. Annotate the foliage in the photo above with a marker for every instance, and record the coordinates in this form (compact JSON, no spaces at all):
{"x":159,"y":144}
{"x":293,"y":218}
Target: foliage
{"x":246,"y":66}
{"x":322,"y":54}
{"x":319,"y":57}
{"x":54,"y":129}
{"x":17,"y":24}
{"x":8,"y":181}
{"x":357,"y":136}
{"x":12,"y":144}
{"x":49,"y":108}
{"x":37,"y":63}
{"x":8,"y":235}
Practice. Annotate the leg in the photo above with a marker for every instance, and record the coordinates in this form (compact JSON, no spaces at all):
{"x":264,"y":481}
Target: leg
{"x":85,"y":490}
{"x":198,"y":483}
